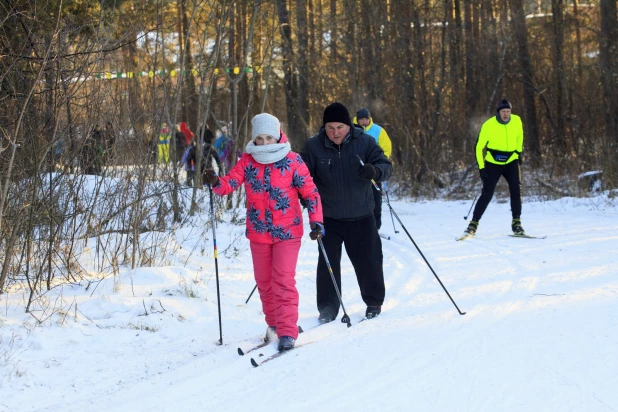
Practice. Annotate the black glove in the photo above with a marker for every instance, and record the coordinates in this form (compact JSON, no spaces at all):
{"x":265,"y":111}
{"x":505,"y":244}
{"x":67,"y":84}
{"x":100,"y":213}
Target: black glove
{"x":210,"y":178}
{"x":483,"y":173}
{"x":520,"y":156}
{"x":369,"y":172}
{"x":317,"y":231}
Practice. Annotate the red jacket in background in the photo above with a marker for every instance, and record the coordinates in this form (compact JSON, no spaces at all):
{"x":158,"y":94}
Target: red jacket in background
{"x":184,"y":129}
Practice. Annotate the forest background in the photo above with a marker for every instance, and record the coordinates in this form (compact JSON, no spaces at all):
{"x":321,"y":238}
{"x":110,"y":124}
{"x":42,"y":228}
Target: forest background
{"x":430,"y":72}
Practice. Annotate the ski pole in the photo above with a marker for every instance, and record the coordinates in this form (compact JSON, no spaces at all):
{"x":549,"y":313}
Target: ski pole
{"x":387,"y":201}
{"x":473,"y":202}
{"x":414,"y":243}
{"x":345,"y":319}
{"x":214,"y":242}
{"x":251,"y":294}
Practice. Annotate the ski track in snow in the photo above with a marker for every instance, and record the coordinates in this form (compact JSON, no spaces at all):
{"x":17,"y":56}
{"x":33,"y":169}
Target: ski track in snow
{"x":540,"y":331}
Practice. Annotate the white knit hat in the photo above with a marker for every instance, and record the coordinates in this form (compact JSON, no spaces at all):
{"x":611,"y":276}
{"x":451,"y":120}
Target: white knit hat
{"x":265,"y":124}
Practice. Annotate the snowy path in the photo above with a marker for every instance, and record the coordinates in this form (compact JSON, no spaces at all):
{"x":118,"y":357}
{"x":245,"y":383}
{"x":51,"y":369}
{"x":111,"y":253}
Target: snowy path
{"x":540,"y":333}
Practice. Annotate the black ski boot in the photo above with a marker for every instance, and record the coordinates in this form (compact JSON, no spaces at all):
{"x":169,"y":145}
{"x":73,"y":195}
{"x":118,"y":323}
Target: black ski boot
{"x":373,"y":311}
{"x":471,"y":229}
{"x":516,"y":227}
{"x":286,"y":343}
{"x":326,"y":317}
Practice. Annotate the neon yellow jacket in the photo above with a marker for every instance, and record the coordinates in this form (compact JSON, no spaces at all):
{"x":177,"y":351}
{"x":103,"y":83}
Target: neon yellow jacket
{"x":504,"y":142}
{"x":380,"y":135}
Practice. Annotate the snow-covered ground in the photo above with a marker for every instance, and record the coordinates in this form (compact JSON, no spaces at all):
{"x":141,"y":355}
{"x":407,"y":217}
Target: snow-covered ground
{"x":540,"y":331}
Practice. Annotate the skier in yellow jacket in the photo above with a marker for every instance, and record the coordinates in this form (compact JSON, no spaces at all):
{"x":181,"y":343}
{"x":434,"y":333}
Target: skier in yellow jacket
{"x":363,"y":118}
{"x":164,"y":144}
{"x":503,"y":137}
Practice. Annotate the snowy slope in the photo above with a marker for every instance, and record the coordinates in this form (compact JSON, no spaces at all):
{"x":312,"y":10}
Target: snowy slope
{"x":540,"y":333}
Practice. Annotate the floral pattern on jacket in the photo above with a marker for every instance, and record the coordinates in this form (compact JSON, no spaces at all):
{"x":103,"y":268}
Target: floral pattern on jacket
{"x":273,"y":191}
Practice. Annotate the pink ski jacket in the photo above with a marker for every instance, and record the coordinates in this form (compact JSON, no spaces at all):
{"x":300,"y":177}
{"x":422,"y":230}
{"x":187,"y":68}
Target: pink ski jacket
{"x":273,"y":190}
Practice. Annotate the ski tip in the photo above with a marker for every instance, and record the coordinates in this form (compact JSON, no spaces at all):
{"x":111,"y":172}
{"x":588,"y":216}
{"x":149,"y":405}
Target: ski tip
{"x":240,"y":352}
{"x":254,"y":363}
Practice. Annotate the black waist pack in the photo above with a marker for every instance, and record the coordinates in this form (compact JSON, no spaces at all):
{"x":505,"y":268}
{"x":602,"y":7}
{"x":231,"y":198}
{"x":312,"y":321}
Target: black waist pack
{"x":500,"y":156}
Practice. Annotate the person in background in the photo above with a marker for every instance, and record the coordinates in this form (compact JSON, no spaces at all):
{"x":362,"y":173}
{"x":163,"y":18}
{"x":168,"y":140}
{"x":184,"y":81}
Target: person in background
{"x":189,"y":160}
{"x":178,"y":144}
{"x":333,"y":158}
{"x":363,"y":118}
{"x":92,"y":152}
{"x":110,"y":143}
{"x":274,"y":178}
{"x":186,"y":132}
{"x":224,"y":147}
{"x":503,"y":137}
{"x":58,"y":153}
{"x":163,"y":154}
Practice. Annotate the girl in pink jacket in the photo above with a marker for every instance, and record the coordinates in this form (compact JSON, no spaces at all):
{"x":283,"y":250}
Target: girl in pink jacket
{"x":275,"y":178}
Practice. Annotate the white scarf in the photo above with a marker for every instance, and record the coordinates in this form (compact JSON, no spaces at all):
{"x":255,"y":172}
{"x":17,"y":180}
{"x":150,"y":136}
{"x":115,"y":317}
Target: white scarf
{"x":268,"y":153}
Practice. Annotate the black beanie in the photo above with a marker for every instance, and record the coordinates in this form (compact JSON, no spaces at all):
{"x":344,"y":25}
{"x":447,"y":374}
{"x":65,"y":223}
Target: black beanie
{"x":362,"y":114}
{"x":336,"y":112}
{"x":504,"y":104}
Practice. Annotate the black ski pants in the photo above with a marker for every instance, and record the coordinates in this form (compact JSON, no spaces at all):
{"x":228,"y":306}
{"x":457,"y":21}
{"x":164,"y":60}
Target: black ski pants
{"x":364,"y":248}
{"x":377,"y":198}
{"x":512,"y":174}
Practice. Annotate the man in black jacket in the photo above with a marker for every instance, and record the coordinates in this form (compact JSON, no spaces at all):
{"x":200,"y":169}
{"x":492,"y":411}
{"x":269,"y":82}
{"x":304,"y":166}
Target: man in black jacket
{"x":332,"y":157}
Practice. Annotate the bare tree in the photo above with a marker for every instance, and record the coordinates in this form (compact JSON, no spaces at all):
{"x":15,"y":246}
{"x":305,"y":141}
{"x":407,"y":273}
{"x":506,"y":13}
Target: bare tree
{"x":291,"y":85}
{"x":303,"y":66}
{"x":608,"y":59}
{"x":532,"y":142}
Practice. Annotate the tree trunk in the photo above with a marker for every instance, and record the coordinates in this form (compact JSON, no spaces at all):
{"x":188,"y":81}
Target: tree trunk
{"x":423,"y":92}
{"x":367,"y":42}
{"x":291,"y":90}
{"x":350,"y":51}
{"x":303,"y":66}
{"x":558,"y":60}
{"x":334,"y":32}
{"x":136,"y":109}
{"x":189,"y":100}
{"x":608,"y":60}
{"x":531,"y":138}
{"x":470,"y":60}
{"x":578,"y":40}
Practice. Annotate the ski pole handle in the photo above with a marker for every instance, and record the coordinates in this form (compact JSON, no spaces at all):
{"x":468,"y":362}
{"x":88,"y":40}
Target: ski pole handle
{"x":372,"y":181}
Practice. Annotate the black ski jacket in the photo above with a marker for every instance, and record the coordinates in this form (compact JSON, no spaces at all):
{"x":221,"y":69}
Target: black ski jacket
{"x":335,"y":171}
{"x":208,"y":154}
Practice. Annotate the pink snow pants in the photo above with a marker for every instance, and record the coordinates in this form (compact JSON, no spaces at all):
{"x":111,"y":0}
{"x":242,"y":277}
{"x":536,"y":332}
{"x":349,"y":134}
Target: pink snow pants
{"x":274,"y":267}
